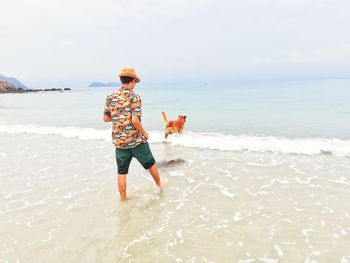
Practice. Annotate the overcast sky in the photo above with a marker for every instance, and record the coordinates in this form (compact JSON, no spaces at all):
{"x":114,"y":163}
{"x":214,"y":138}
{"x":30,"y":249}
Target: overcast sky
{"x":74,"y":42}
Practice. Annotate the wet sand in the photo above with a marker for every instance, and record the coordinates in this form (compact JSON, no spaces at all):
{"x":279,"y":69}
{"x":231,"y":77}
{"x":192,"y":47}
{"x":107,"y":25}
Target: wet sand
{"x":59,"y":203}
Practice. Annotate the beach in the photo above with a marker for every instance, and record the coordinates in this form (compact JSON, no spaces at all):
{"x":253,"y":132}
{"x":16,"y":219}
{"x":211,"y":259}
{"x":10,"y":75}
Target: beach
{"x":265,"y":178}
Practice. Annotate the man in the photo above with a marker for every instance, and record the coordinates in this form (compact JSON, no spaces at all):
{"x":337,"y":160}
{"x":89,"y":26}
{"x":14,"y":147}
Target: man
{"x":123,"y":108}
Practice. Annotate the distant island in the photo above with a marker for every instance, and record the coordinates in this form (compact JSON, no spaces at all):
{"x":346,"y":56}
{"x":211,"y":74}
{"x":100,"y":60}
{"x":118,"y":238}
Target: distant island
{"x":13,"y":85}
{"x":101,"y":84}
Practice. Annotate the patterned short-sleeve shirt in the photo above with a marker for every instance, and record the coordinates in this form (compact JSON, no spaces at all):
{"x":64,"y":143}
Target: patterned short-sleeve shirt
{"x":123,"y":104}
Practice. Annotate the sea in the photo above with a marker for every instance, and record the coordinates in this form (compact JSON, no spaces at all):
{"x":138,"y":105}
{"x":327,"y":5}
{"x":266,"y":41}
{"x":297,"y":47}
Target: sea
{"x":264,"y":176}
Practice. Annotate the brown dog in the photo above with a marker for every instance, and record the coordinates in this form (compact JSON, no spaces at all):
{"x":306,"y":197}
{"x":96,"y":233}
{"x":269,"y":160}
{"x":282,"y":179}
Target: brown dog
{"x":174,"y":126}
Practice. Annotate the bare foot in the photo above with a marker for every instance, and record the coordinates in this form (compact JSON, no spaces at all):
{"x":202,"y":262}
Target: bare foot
{"x":163,"y":183}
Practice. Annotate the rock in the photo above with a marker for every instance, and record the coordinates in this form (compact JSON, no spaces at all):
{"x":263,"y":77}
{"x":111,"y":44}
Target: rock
{"x":53,"y":89}
{"x":7,"y":87}
{"x":12,"y":85}
{"x":15,"y":82}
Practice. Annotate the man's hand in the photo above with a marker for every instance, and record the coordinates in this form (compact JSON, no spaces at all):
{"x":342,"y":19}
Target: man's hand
{"x":145,"y":134}
{"x":107,"y":116}
{"x":137,"y":123}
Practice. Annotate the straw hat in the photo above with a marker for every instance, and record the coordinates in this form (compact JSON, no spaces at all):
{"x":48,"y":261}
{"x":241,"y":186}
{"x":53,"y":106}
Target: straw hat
{"x":129,"y":72}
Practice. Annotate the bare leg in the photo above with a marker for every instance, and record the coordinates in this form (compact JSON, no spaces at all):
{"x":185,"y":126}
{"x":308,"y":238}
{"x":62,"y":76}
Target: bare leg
{"x":154,"y":172}
{"x":122,"y":186}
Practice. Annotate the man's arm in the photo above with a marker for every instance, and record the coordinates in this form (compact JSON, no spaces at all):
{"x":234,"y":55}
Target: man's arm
{"x":107,"y":115}
{"x":136,"y":108}
{"x":138,"y":125}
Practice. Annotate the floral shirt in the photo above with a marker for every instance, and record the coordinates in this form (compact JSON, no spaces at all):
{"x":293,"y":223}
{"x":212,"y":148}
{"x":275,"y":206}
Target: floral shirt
{"x":123,"y":105}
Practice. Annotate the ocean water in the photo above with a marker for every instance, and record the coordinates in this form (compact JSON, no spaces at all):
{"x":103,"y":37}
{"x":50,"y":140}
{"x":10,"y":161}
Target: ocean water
{"x":266,"y":176}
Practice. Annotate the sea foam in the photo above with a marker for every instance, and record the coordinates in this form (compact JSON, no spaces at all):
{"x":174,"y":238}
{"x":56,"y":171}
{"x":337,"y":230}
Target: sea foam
{"x":214,"y":141}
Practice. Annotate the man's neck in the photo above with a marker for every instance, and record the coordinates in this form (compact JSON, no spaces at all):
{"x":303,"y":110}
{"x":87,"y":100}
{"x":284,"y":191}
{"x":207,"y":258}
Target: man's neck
{"x":127,"y":87}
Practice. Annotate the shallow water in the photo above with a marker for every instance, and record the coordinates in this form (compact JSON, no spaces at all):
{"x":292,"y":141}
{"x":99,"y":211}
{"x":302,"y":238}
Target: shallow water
{"x":266,"y":176}
{"x":59,"y":203}
{"x":280,"y":108}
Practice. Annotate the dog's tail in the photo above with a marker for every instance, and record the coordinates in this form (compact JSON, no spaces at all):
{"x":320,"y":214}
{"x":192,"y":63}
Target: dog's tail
{"x":164,"y":118}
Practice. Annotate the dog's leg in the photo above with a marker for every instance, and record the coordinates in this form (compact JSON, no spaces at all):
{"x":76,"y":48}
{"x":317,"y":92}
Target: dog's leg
{"x":167,"y":132}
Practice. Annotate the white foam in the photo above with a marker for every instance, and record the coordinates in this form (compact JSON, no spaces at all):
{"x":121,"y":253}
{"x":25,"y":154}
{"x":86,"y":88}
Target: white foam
{"x":279,"y":250}
{"x":214,"y":141}
{"x":249,"y":260}
{"x":268,"y":260}
{"x":345,"y":259}
{"x":308,"y":146}
{"x":67,"y":132}
{"x":237,"y":216}
{"x":177,"y":173}
{"x":227,"y":193}
{"x":338,"y":181}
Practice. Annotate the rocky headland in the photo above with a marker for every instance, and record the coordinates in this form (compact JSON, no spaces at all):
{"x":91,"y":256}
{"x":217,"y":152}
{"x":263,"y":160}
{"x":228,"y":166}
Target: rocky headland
{"x":7,"y":87}
{"x":12,"y":85}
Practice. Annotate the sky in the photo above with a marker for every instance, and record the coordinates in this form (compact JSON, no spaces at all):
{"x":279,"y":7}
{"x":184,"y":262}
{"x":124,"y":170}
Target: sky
{"x":71,"y":43}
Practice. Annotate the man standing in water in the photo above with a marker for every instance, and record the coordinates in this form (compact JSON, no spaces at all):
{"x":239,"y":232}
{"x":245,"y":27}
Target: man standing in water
{"x":123,"y":108}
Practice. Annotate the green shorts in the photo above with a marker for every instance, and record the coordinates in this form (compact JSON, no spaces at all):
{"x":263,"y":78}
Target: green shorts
{"x":141,"y":152}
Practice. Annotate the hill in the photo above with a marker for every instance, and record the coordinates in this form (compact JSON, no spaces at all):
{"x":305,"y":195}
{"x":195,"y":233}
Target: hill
{"x":7,"y":87}
{"x":15,"y":82}
{"x":101,"y":84}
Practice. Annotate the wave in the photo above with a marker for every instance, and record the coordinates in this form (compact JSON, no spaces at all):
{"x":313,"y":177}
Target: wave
{"x":67,"y":132}
{"x":214,"y":141}
{"x":283,"y":145}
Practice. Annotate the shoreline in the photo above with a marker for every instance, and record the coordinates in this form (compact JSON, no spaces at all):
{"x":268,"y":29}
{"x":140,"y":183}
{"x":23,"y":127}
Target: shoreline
{"x":303,"y":146}
{"x":33,"y":90}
